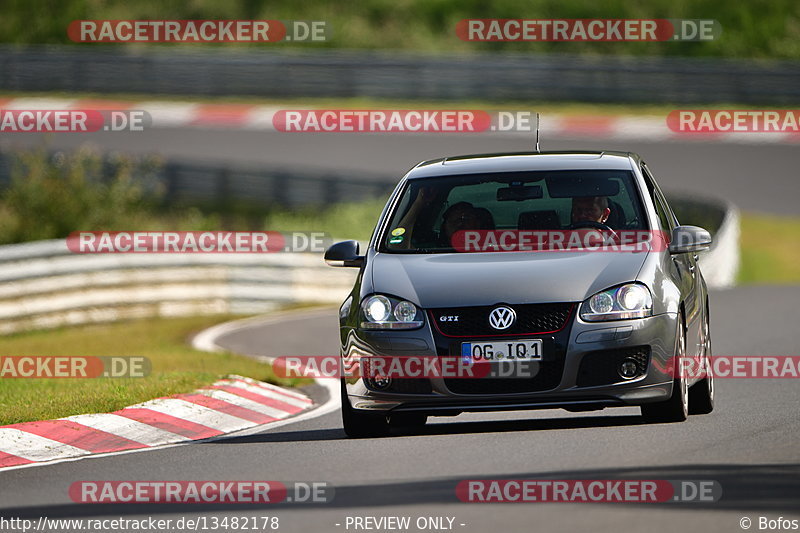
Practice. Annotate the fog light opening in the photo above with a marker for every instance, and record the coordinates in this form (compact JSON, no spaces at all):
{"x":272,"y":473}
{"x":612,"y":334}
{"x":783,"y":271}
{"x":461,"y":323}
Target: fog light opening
{"x":379,"y":382}
{"x":629,"y":369}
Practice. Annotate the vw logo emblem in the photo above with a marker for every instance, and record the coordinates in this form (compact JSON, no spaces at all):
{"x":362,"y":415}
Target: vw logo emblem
{"x":502,"y":317}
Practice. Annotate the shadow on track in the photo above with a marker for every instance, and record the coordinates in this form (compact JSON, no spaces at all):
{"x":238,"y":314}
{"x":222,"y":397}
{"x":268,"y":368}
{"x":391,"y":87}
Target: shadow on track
{"x":447,"y":428}
{"x":769,"y":488}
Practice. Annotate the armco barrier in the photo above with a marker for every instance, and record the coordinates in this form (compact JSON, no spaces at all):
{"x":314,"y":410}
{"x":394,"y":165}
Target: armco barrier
{"x":720,"y":263}
{"x":43,"y":285}
{"x":332,"y":73}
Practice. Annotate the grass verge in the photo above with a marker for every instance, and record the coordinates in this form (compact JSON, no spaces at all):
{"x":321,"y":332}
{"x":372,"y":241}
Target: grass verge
{"x":176,"y":367}
{"x":770,"y":247}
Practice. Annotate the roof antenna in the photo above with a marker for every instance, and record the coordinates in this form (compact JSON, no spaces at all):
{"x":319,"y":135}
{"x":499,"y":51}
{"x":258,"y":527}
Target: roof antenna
{"x":538,"y":151}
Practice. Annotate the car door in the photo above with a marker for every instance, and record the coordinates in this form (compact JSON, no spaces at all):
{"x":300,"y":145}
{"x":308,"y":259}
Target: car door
{"x":693,"y":301}
{"x":681,"y":267}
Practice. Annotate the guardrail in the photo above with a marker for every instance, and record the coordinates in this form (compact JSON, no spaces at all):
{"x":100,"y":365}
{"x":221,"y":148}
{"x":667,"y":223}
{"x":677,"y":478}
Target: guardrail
{"x":403,"y":75}
{"x":720,"y":263}
{"x":44,"y":285}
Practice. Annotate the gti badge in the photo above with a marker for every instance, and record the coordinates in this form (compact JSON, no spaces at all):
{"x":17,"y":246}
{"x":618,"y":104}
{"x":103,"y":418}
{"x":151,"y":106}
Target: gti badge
{"x":502,"y":317}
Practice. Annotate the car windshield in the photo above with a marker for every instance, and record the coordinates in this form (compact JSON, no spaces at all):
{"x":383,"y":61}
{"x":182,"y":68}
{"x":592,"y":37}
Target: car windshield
{"x":432,"y":210}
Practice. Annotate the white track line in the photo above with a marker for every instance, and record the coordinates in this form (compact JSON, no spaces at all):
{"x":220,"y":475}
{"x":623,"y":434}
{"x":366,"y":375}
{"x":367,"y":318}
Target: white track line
{"x":208,"y":340}
{"x":271,"y":387}
{"x":127,"y":428}
{"x":244,"y":402}
{"x":35,"y":448}
{"x":193,"y":412}
{"x":261,"y":391}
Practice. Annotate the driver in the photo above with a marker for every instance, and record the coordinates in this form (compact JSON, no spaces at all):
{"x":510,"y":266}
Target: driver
{"x":461,"y":216}
{"x":590,"y":209}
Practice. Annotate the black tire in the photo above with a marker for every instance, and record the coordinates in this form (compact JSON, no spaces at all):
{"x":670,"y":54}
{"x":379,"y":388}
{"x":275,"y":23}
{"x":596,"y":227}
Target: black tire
{"x":359,"y":425}
{"x":676,"y":409}
{"x":701,"y":394}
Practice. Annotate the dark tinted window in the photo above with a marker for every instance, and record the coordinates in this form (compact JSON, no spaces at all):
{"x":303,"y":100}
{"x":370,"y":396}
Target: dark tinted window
{"x":431,"y":209}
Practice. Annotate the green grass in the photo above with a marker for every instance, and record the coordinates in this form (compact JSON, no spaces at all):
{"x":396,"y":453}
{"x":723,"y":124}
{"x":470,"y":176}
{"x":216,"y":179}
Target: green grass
{"x":341,"y":221}
{"x":176,"y":367}
{"x":758,"y":28}
{"x":770,"y":248}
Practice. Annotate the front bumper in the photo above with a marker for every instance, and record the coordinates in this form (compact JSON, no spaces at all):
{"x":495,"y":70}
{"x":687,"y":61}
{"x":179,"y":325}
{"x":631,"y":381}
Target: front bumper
{"x":577,"y":377}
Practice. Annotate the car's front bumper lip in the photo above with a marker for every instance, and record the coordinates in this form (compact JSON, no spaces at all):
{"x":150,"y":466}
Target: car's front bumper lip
{"x":453,"y":405}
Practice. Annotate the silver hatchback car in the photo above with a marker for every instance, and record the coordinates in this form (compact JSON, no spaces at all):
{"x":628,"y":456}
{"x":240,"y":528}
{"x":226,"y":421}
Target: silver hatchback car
{"x":473,"y":260}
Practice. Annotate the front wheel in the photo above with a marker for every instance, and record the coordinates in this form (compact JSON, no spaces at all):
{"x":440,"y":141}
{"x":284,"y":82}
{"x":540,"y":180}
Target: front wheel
{"x":360,"y":425}
{"x":676,"y":409}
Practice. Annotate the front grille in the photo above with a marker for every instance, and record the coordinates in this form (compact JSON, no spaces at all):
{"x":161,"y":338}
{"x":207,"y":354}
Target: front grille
{"x":410,"y":386}
{"x":600,"y":367}
{"x":548,"y":377}
{"x":474,"y":321}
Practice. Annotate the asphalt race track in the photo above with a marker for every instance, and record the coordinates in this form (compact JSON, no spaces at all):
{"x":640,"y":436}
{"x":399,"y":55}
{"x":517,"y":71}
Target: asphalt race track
{"x":748,"y":445}
{"x":755,"y":177}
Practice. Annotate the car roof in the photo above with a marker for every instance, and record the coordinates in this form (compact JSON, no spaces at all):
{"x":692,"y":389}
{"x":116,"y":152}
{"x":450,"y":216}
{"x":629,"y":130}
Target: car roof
{"x":522,"y":161}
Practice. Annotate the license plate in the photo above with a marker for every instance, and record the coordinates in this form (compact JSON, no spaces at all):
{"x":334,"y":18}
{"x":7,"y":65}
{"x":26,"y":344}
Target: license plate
{"x":515,"y":350}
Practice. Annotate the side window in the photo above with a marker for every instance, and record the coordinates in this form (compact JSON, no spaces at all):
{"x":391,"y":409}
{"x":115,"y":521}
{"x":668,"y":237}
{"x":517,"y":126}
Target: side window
{"x":664,"y":218}
{"x":673,"y":222}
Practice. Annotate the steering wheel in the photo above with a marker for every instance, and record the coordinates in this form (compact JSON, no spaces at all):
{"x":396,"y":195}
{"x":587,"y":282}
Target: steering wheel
{"x":591,"y":224}
{"x":596,"y":225}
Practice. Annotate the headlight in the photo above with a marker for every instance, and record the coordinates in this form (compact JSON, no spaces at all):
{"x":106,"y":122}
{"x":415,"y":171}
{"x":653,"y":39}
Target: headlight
{"x":377,"y":308}
{"x":382,"y":312}
{"x":632,"y":300}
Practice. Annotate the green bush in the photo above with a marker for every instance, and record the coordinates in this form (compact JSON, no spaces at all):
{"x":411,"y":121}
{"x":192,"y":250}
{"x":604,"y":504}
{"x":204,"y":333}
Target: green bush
{"x":354,"y":220}
{"x":756,"y":28}
{"x":51,"y":196}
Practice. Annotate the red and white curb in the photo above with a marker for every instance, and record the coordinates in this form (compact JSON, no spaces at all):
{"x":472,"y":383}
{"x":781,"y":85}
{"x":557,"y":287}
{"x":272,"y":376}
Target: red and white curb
{"x":229,"y":405}
{"x":167,"y":114}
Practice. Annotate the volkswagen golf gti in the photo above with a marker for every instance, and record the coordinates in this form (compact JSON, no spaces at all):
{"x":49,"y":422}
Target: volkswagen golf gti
{"x":565,"y":275}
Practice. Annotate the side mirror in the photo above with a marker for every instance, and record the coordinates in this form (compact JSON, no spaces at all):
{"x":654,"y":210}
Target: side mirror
{"x":344,"y":254}
{"x":689,"y":239}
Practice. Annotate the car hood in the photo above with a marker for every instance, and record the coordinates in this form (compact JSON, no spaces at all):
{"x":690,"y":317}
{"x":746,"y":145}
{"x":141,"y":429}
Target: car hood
{"x":452,"y":280}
